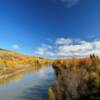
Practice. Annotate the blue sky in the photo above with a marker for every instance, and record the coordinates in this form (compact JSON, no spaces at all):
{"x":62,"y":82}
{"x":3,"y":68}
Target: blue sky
{"x":33,"y":27}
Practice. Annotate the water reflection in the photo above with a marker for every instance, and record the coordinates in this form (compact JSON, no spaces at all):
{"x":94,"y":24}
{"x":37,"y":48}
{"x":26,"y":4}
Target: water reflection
{"x":19,"y":74}
{"x":32,"y":86}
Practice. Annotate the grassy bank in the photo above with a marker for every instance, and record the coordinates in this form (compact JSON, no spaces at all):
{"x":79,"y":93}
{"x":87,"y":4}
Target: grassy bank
{"x":77,"y":78}
{"x":12,"y":63}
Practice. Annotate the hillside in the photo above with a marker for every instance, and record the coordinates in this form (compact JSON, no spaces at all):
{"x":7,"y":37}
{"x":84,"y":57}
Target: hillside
{"x":12,"y":62}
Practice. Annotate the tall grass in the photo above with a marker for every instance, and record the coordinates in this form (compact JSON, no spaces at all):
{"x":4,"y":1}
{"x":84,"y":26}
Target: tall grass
{"x":77,"y":77}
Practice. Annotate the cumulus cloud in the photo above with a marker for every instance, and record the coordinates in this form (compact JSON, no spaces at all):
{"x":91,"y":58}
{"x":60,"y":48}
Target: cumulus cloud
{"x":15,"y":46}
{"x":68,"y":47}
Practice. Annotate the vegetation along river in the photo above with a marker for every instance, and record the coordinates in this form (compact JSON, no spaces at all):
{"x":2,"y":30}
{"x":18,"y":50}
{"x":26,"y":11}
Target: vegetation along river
{"x":32,"y":85}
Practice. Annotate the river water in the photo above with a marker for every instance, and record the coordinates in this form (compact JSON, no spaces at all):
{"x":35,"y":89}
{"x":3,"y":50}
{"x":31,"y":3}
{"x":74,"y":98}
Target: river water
{"x":30,"y":86}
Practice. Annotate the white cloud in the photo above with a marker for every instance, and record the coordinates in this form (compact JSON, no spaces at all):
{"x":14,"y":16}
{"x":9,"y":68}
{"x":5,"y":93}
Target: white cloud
{"x":45,"y":50}
{"x":67,"y":47}
{"x":96,"y":45}
{"x":64,"y":41}
{"x":46,"y":46}
{"x":92,"y":36}
{"x":70,"y":3}
{"x":67,"y":41}
{"x":15,"y":46}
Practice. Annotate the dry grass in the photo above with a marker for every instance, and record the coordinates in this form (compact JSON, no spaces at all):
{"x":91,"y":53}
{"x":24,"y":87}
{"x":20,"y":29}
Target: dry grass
{"x":12,"y":61}
{"x":77,"y":77}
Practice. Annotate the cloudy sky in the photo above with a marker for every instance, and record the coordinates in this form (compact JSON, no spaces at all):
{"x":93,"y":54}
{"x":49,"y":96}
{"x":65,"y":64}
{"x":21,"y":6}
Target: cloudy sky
{"x":50,"y":28}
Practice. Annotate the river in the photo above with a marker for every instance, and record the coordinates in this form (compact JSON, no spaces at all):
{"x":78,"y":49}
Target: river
{"x":30,"y":86}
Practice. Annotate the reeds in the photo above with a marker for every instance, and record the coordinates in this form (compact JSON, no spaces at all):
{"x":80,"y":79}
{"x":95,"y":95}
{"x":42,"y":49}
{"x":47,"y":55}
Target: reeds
{"x":77,"y":77}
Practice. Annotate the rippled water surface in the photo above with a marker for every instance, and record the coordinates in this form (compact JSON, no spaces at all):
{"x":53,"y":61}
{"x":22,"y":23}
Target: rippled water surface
{"x":30,"y":86}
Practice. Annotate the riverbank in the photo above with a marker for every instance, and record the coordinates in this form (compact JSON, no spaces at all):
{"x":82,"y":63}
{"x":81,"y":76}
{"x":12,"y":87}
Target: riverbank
{"x":12,"y":63}
{"x":77,"y":79}
{"x":31,"y":84}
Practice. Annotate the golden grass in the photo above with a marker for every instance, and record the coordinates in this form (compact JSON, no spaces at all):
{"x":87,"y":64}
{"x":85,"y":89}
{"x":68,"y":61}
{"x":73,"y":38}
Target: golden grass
{"x":77,"y":77}
{"x":12,"y":61}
